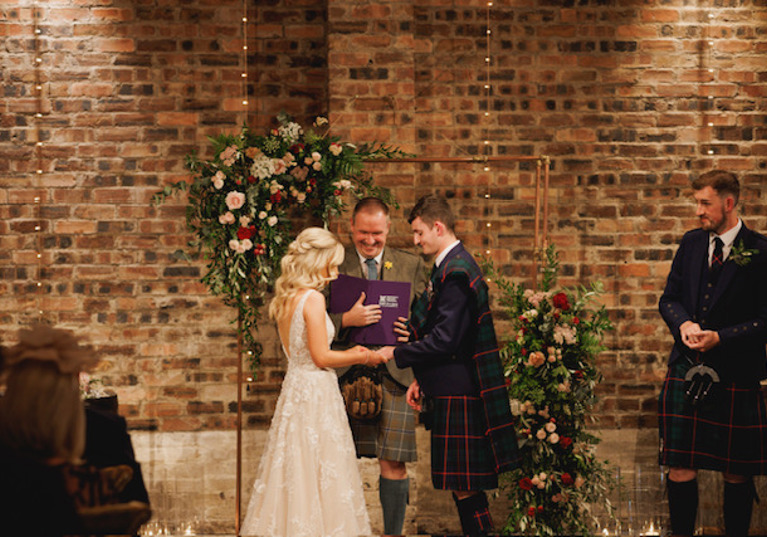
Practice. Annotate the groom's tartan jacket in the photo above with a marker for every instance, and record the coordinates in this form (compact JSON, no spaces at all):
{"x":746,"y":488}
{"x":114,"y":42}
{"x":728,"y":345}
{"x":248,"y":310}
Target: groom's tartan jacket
{"x":488,"y":370}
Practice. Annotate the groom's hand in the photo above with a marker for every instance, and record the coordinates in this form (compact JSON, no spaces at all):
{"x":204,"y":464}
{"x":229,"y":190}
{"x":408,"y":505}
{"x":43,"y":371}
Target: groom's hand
{"x":400,"y":328}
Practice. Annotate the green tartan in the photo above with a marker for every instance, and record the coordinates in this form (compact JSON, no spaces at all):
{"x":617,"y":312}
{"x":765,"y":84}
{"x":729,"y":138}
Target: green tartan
{"x":490,"y":378}
{"x":727,"y":435}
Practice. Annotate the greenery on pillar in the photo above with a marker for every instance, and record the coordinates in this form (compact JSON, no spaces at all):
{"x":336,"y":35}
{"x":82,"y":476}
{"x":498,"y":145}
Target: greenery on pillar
{"x":550,"y":364}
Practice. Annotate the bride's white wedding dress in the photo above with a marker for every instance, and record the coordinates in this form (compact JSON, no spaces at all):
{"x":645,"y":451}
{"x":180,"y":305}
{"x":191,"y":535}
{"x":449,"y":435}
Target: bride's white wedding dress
{"x":308,"y":482}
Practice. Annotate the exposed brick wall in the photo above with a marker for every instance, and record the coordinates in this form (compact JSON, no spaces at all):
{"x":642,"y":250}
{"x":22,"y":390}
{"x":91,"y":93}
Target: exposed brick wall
{"x":615,"y":93}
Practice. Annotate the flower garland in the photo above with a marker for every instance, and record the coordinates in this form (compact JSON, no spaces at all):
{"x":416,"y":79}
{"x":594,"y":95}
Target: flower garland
{"x":241,"y":204}
{"x":550,"y":367}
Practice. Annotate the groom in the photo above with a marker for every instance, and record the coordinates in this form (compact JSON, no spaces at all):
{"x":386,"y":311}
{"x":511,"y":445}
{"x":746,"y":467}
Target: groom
{"x":459,"y":382}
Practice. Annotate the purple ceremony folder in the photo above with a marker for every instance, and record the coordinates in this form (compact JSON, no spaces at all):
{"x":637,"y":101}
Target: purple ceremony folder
{"x":393,"y":297}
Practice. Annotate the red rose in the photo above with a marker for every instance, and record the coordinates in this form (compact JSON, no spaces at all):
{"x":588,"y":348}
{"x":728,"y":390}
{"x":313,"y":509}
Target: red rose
{"x":244,"y":233}
{"x":565,"y":441}
{"x":531,"y":511}
{"x":276,"y":197}
{"x":576,"y":320}
{"x":526,"y":483}
{"x":251,"y":179}
{"x":567,"y":479}
{"x":560,"y":301}
{"x":523,"y":352}
{"x":336,"y":192}
{"x":540,"y":509}
{"x":295,"y":148}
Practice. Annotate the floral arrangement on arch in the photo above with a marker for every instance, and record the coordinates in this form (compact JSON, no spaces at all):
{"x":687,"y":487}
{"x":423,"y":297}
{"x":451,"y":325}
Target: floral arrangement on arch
{"x":242,"y":203}
{"x":550,"y":366}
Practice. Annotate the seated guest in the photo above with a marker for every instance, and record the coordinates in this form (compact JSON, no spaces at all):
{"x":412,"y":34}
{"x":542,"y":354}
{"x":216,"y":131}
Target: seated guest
{"x":108,"y":444}
{"x":42,"y":431}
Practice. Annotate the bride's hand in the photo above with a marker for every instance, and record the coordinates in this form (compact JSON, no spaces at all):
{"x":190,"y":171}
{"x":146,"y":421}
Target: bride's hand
{"x":367,"y":357}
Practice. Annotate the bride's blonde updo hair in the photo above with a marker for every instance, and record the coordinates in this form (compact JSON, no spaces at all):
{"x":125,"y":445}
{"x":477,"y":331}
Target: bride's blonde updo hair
{"x":314,"y":250}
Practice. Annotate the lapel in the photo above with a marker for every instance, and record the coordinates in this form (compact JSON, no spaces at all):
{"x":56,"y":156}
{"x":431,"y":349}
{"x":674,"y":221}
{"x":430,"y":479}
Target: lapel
{"x":730,"y":268}
{"x":391,"y":273}
{"x":351,"y":265}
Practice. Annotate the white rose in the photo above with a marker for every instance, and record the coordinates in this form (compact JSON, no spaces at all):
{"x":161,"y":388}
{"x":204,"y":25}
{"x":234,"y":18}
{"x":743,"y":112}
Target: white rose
{"x":550,"y":427}
{"x":541,"y":434}
{"x":272,"y":221}
{"x":262,"y":215}
{"x":553,"y":438}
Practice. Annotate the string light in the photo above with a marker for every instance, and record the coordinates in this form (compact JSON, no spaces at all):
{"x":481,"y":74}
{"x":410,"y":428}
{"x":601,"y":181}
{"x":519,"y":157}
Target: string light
{"x":38,"y":158}
{"x":707,"y":105}
{"x":488,"y":94}
{"x":244,"y":74}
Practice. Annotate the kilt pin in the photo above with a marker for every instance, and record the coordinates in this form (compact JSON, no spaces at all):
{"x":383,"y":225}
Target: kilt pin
{"x":728,"y":432}
{"x":454,"y":354}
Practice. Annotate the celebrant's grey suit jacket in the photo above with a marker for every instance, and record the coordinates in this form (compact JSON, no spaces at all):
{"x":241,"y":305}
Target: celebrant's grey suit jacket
{"x":397,"y":266}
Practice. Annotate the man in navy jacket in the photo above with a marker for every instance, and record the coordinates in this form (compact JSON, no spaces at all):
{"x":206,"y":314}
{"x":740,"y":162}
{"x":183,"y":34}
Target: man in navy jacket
{"x":459,"y":376}
{"x":715,"y":305}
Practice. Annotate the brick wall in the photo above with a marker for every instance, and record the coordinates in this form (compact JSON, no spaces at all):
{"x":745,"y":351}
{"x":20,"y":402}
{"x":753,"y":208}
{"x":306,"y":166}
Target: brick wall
{"x":616,"y":93}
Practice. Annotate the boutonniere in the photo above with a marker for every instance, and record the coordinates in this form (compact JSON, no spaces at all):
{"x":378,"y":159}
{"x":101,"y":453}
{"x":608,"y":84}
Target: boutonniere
{"x":741,"y":255}
{"x":388,"y":265}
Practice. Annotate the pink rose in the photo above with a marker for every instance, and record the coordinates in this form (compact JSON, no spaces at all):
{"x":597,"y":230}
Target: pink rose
{"x":235,"y":200}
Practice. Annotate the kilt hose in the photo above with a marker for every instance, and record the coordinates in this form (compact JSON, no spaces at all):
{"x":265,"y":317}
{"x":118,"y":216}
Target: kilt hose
{"x":392,"y":436}
{"x":727,"y":435}
{"x":461,"y":456}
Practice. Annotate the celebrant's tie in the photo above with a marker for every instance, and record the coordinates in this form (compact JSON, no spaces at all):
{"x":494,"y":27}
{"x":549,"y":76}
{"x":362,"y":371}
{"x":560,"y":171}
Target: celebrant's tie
{"x":717,"y":259}
{"x":372,"y":269}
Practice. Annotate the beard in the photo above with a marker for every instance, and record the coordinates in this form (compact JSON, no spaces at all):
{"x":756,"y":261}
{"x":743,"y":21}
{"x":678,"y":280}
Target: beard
{"x":713,"y":222}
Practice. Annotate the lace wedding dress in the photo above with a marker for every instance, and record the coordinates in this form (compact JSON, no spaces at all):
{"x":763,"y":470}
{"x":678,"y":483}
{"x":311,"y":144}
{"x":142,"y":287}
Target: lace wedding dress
{"x":308,"y":482}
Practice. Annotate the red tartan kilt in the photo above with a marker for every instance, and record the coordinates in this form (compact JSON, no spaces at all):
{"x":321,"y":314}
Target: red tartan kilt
{"x":461,"y":456}
{"x":729,"y":435}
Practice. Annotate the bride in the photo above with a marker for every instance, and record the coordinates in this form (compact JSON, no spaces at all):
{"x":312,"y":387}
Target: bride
{"x":308,"y":482}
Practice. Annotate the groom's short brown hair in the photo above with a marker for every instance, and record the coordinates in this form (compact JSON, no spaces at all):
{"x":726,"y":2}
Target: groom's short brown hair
{"x":433,"y":208}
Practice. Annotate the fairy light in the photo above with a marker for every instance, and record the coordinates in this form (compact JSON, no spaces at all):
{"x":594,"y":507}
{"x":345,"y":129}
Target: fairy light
{"x":38,"y":159}
{"x":488,"y":94}
{"x":244,"y":74}
{"x":708,"y":105}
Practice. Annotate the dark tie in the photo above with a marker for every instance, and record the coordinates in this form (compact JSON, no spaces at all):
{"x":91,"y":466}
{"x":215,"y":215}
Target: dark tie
{"x":372,"y":269}
{"x":717,"y":259}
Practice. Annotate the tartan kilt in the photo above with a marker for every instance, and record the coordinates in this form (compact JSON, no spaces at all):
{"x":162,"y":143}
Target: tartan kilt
{"x":461,"y":455}
{"x":392,"y":436}
{"x":729,"y":435}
